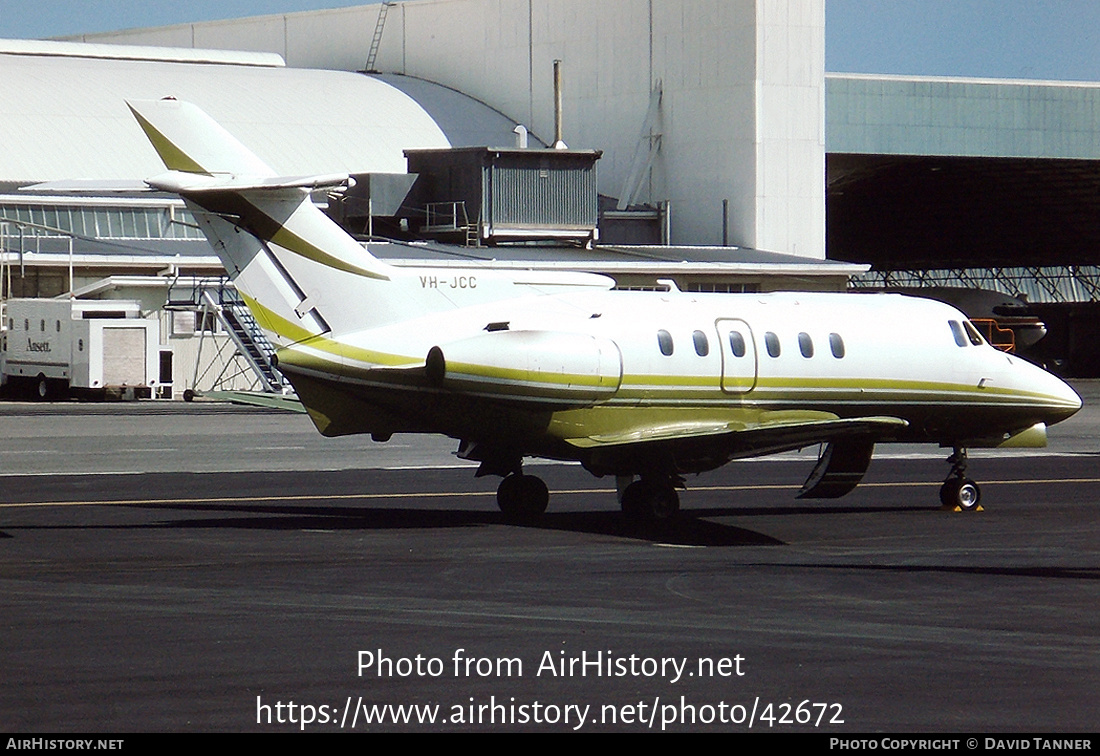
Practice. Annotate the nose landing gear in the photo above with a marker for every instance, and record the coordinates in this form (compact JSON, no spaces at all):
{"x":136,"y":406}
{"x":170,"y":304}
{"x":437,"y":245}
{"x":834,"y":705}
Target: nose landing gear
{"x":959,"y":493}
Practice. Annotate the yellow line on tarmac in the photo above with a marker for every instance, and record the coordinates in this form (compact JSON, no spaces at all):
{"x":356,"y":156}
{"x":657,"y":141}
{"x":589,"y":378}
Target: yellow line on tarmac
{"x":476,"y":494}
{"x":1026,"y":482}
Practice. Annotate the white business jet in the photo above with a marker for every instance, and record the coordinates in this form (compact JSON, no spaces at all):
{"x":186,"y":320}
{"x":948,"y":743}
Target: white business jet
{"x":645,"y":386}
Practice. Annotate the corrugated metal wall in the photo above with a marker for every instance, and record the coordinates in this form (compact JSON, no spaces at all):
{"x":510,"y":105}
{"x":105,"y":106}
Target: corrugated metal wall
{"x":543,"y":196}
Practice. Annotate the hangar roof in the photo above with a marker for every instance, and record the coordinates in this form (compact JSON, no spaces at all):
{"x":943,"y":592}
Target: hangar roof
{"x":64,"y":116}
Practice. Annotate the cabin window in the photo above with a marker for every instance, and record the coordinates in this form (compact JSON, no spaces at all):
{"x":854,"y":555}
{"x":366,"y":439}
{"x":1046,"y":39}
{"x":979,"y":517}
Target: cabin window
{"x":702,"y":346}
{"x":26,"y":324}
{"x":59,"y":326}
{"x":664,"y":341}
{"x":957,"y":332}
{"x":806,"y":345}
{"x":836,"y":344}
{"x":737,"y":344}
{"x":972,"y":332}
{"x":771,"y":341}
{"x":42,"y":326}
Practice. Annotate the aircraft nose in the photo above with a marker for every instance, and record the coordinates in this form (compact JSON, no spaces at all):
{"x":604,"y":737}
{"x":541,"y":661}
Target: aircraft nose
{"x":1051,"y":399}
{"x":1065,"y":402}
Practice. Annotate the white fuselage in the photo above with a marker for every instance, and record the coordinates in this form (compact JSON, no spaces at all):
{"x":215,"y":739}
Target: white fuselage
{"x":729,"y":358}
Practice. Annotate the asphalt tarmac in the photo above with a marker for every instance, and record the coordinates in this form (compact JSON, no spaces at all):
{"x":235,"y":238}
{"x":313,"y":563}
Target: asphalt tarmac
{"x":170,"y":567}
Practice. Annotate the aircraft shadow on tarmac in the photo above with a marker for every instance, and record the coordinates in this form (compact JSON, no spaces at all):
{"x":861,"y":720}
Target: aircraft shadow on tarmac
{"x":692,"y":528}
{"x":688,"y":530}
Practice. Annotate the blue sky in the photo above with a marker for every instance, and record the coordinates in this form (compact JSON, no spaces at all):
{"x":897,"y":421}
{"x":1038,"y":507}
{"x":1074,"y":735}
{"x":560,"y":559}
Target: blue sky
{"x":1037,"y":39}
{"x":1020,"y":39}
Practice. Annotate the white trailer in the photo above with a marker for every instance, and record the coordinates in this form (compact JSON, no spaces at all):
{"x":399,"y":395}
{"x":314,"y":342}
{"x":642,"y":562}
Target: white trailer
{"x":54,"y":347}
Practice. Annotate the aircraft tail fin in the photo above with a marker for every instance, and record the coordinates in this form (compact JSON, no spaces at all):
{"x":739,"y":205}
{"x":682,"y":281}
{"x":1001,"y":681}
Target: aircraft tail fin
{"x":190,"y":141}
{"x":297,"y":269}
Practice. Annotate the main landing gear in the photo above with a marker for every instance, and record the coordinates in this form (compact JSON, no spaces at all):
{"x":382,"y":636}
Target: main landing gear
{"x":959,"y":493}
{"x":522,"y":497}
{"x":653,"y":499}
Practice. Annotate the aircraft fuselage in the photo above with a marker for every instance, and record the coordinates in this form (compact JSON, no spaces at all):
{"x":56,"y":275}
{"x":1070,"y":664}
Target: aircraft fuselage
{"x":616,"y":365}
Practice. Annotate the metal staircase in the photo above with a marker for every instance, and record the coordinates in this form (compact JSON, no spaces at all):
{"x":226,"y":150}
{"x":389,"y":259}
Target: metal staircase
{"x":245,"y":357}
{"x":248,"y":337}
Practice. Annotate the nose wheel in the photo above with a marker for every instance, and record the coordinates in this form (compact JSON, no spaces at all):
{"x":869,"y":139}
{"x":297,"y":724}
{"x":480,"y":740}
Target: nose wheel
{"x":959,"y":493}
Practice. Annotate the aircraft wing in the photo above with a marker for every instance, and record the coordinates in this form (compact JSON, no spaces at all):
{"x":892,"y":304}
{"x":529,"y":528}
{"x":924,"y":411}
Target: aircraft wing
{"x":721,"y":441}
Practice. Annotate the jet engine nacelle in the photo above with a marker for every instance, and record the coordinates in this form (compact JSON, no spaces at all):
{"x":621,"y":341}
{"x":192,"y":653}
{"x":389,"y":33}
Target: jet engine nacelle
{"x":552,"y":367}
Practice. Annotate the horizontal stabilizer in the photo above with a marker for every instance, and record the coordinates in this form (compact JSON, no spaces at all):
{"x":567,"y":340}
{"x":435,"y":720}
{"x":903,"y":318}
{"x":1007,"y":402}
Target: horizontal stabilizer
{"x":89,"y":186}
{"x":180,"y":182}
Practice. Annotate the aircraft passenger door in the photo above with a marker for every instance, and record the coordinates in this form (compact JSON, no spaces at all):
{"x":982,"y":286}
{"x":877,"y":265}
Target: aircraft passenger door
{"x":739,"y":363}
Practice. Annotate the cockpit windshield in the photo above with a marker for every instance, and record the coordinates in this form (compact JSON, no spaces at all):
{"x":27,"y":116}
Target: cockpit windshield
{"x":965,"y":333}
{"x":972,"y":332}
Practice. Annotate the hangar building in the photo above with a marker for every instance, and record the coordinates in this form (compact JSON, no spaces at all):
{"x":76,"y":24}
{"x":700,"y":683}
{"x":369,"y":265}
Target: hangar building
{"x":746,"y":114}
{"x":692,"y":102}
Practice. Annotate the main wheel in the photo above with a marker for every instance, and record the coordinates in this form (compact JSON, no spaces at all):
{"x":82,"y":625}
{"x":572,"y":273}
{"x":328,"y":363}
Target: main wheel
{"x":962,"y":493}
{"x":41,"y":388}
{"x":650,"y":501}
{"x":522,"y":497}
